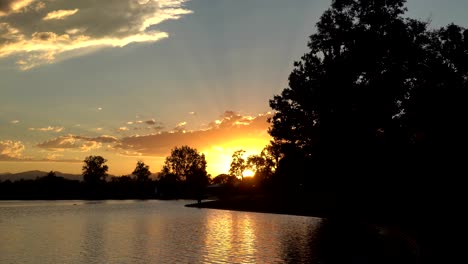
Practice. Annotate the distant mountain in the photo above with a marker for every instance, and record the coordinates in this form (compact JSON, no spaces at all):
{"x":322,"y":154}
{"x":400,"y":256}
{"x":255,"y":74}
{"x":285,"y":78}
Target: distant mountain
{"x":32,"y":175}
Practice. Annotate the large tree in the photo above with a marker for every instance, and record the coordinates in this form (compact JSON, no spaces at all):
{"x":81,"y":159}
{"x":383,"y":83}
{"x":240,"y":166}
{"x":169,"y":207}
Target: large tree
{"x":187,"y":167}
{"x":94,"y":170}
{"x":141,"y":171}
{"x":373,"y":78}
{"x":184,"y":162}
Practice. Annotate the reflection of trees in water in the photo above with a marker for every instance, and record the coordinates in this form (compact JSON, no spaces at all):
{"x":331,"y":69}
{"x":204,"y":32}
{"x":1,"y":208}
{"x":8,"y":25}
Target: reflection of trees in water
{"x":299,"y":244}
{"x":343,"y":241}
{"x":93,"y":249}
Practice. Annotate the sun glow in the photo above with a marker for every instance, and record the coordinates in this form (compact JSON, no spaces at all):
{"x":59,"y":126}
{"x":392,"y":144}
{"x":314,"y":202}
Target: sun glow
{"x":219,"y":157}
{"x":248,"y":173}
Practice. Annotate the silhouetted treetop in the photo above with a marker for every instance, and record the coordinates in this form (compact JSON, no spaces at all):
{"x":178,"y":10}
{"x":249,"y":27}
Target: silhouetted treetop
{"x":184,"y":162}
{"x":373,"y":75}
{"x":238,"y":164}
{"x":94,"y":170}
{"x":141,"y":171}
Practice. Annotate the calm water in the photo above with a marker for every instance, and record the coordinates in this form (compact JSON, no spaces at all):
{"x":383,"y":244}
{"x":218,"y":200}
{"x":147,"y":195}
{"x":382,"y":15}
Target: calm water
{"x":167,"y":232}
{"x":148,"y":232}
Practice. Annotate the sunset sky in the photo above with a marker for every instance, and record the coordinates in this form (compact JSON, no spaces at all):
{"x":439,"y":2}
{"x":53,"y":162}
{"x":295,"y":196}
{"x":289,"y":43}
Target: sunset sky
{"x":132,"y":79}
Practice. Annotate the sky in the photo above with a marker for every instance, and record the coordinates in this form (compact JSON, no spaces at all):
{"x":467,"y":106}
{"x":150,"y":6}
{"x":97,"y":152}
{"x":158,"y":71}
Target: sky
{"x":132,"y":79}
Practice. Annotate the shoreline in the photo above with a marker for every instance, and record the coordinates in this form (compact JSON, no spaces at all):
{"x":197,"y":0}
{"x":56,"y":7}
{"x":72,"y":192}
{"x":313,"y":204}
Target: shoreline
{"x":261,"y":204}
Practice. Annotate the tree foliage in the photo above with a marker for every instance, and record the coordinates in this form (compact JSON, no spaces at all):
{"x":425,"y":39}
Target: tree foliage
{"x":94,"y":170}
{"x":184,"y":172}
{"x":264,"y":165}
{"x":238,"y":164}
{"x":374,"y":77}
{"x":141,"y":171}
{"x":225,"y":179}
{"x":186,"y":164}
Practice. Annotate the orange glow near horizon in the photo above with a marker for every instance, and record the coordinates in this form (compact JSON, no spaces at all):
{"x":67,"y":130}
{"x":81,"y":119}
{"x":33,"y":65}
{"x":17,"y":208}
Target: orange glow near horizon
{"x":219,"y":158}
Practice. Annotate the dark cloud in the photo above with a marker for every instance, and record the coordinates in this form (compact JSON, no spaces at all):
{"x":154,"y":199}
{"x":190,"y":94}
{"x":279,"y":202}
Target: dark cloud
{"x":44,"y":36}
{"x":150,"y":122}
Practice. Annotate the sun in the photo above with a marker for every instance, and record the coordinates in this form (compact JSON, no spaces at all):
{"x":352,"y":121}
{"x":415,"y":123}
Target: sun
{"x":248,"y":173}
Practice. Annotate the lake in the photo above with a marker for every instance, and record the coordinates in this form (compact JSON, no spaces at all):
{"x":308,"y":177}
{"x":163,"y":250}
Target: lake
{"x":155,"y":231}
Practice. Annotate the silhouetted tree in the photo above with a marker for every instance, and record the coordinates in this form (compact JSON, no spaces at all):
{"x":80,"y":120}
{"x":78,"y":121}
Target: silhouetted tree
{"x":188,"y":167}
{"x":379,"y":99}
{"x":263,"y":165}
{"x":225,"y":179}
{"x":141,"y":171}
{"x":350,"y":83}
{"x":94,"y":170}
{"x":51,"y":174}
{"x":372,"y":85}
{"x":238,"y":164}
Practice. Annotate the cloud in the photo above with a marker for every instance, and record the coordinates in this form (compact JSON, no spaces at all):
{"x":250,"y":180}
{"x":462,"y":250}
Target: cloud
{"x":90,"y":145}
{"x":41,"y":32}
{"x":49,"y":128}
{"x":14,"y":121}
{"x":10,"y":150}
{"x":101,"y":139}
{"x":8,"y":7}
{"x":80,"y":143}
{"x":151,"y":122}
{"x":181,"y":125}
{"x":59,"y":14}
{"x":231,"y":128}
{"x":53,"y":156}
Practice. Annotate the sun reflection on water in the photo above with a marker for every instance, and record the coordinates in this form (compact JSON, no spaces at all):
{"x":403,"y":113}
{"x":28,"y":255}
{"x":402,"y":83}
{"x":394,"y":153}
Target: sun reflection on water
{"x":232,"y":235}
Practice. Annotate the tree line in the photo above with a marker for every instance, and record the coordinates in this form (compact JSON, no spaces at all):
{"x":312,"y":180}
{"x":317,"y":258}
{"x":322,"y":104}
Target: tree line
{"x":183,"y":175}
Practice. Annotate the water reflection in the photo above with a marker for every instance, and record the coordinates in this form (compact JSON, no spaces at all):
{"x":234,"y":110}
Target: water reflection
{"x":231,"y":237}
{"x":167,"y":232}
{"x":339,"y":241}
{"x":299,"y":245}
{"x":93,"y":245}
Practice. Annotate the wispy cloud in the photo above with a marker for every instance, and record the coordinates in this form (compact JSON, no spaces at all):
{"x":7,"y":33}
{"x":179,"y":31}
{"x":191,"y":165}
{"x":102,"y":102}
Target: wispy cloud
{"x":41,"y":32}
{"x":231,"y":127}
{"x":11,"y":150}
{"x":74,"y":142}
{"x":60,"y":14}
{"x":49,"y":128}
{"x":149,"y":124}
{"x":14,"y":121}
{"x":181,"y":125}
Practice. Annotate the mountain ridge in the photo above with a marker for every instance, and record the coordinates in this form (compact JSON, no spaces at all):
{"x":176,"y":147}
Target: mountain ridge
{"x":33,"y":174}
